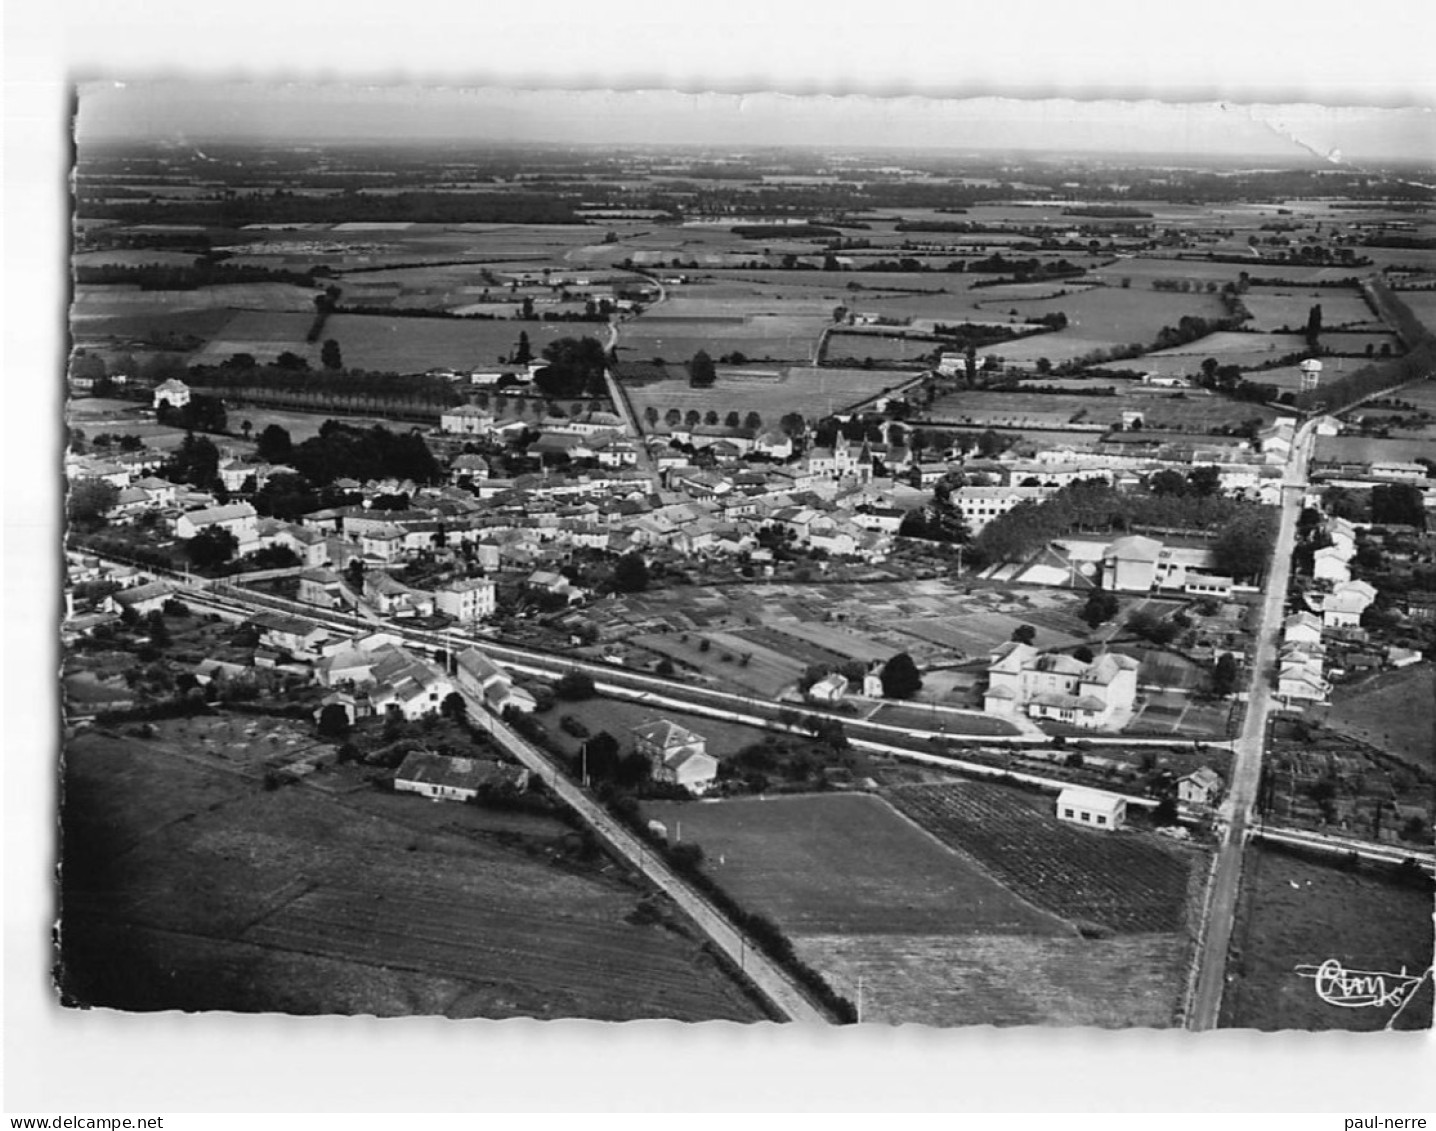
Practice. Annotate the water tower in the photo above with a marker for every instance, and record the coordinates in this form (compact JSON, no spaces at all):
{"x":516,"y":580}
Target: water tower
{"x":1310,"y":374}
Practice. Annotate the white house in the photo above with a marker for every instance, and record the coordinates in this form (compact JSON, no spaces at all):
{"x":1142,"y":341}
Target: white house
{"x":466,"y":420}
{"x":1092,"y":809}
{"x":1330,"y":564}
{"x":1343,"y":606}
{"x":172,"y":392}
{"x":1100,"y":694}
{"x":466,"y":600}
{"x":677,"y":755}
{"x":829,"y":689}
{"x":240,"y":519}
{"x":1200,"y":787}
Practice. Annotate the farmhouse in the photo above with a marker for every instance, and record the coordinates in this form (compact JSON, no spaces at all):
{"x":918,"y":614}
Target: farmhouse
{"x":455,"y":779}
{"x":1092,"y":808}
{"x":676,"y":755}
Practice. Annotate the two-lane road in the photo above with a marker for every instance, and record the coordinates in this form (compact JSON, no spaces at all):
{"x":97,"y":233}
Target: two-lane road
{"x":1235,"y":814}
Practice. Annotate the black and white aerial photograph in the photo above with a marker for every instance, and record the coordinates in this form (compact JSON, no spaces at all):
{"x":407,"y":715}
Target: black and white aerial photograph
{"x":532,"y":547}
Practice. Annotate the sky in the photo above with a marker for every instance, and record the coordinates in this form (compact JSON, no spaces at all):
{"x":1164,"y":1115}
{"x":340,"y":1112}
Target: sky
{"x":198,"y":111}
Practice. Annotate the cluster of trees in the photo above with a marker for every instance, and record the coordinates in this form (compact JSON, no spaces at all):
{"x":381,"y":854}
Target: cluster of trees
{"x":1243,"y":538}
{"x":575,"y":369}
{"x":203,"y":272}
{"x":288,"y":497}
{"x":290,"y":373}
{"x":939,"y":521}
{"x":286,"y":207}
{"x":1201,"y":482}
{"x":1101,"y":607}
{"x":90,"y":501}
{"x":196,"y":462}
{"x":1398,"y":504}
{"x":347,"y":451}
{"x":202,"y":413}
{"x":630,"y":574}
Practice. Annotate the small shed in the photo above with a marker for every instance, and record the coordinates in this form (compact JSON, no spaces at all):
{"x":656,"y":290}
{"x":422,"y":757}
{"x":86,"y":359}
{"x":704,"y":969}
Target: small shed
{"x":1092,"y":808}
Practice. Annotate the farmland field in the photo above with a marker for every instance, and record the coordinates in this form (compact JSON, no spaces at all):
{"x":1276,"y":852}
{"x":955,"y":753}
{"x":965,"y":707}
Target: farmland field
{"x":978,"y":633}
{"x":1394,"y":711}
{"x":1294,"y":912}
{"x":1194,"y":410}
{"x":1128,"y":883}
{"x":919,"y":718}
{"x":1127,"y":980}
{"x":264,"y":335}
{"x":619,"y":716}
{"x":377,"y":343}
{"x":849,"y":864}
{"x":1102,"y":317}
{"x":879,"y":347}
{"x":763,"y":337}
{"x":1284,"y":308}
{"x":1237,"y":347}
{"x":865,"y":895}
{"x":186,"y":885}
{"x":771,"y":394}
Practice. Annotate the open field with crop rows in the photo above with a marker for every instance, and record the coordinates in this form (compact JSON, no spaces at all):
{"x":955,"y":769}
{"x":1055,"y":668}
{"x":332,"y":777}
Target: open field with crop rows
{"x":847,"y":863}
{"x":1125,"y":882}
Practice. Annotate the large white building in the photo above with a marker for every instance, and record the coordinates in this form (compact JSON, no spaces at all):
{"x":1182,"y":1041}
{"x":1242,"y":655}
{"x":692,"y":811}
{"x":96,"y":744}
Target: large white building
{"x":1097,"y":695}
{"x":980,"y":505}
{"x":468,"y":599}
{"x":466,"y":420}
